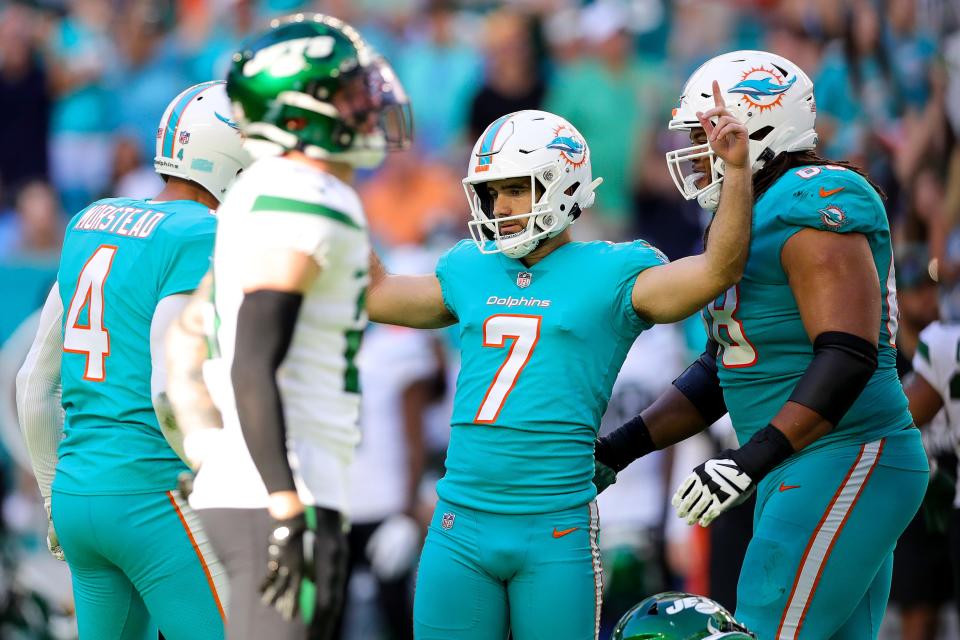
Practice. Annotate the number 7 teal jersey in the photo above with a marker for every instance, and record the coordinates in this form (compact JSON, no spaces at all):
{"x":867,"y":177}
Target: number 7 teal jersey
{"x":120,"y":258}
{"x":764,"y":347}
{"x":541,"y":347}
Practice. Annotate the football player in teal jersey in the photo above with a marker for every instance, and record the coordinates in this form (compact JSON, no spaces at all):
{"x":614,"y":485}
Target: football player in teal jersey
{"x":802,"y":354}
{"x":545,"y":324}
{"x":138,"y":559}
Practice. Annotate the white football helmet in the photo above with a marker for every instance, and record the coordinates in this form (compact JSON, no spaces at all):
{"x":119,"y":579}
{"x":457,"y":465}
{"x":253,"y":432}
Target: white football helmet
{"x":772,"y":96}
{"x":550,"y":152}
{"x":198,"y":141}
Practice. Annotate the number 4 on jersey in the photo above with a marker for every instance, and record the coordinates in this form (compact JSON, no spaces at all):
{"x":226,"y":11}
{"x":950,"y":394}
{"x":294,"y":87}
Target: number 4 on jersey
{"x":90,"y":338}
{"x":525,"y":332}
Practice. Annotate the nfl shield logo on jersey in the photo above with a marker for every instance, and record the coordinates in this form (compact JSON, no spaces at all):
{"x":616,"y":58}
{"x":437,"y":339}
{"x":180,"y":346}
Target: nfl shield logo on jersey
{"x":524,"y":278}
{"x":184,"y":137}
{"x":447,"y":521}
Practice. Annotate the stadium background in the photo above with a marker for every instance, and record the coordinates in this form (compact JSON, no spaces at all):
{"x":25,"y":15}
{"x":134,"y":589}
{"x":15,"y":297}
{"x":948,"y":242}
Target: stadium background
{"x":83,"y":84}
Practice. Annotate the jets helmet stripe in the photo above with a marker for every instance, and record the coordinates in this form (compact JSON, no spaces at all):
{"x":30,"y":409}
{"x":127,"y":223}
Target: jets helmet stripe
{"x":173,"y":120}
{"x":486,"y":147}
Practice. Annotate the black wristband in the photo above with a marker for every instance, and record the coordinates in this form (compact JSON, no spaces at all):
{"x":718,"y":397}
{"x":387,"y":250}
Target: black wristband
{"x":626,"y":444}
{"x":701,"y":385}
{"x":763,"y":452}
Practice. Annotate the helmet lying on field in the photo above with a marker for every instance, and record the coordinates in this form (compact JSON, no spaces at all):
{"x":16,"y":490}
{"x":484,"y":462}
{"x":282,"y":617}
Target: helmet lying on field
{"x":673,"y":615}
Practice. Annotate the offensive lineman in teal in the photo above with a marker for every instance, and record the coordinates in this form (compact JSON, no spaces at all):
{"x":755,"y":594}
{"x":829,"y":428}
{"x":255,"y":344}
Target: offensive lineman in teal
{"x":806,"y":365}
{"x":137,"y":556}
{"x":545,"y":324}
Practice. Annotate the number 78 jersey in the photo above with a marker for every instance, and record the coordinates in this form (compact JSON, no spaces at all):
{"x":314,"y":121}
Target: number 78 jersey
{"x":541,"y":347}
{"x":764,"y":348}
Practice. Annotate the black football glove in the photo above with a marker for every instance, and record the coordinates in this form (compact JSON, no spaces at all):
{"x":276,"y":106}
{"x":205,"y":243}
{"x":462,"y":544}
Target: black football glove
{"x":290,"y":564}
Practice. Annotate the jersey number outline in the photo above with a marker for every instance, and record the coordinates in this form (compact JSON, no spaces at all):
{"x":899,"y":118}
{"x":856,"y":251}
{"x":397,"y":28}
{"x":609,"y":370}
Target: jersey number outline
{"x":93,"y":338}
{"x":525,"y":332}
{"x":738,"y":351}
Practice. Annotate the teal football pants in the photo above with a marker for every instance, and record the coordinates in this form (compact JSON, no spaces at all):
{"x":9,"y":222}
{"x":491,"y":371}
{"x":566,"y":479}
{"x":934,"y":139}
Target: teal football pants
{"x":139,"y":563}
{"x":483,"y":573}
{"x":826,"y":523}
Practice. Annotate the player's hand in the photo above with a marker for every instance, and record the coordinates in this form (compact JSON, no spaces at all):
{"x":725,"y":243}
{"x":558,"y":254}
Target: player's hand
{"x":603,"y":476}
{"x":290,"y":562}
{"x":393,"y":547}
{"x":728,"y":138}
{"x":53,"y":542}
{"x":713,"y":487}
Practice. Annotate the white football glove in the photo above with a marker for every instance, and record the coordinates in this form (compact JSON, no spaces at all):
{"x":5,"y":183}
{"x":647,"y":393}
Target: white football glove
{"x":393,"y":547}
{"x":53,"y":543}
{"x":712,"y":488}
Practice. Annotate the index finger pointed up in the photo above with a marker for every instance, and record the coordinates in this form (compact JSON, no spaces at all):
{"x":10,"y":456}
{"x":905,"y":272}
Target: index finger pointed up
{"x":717,"y":95}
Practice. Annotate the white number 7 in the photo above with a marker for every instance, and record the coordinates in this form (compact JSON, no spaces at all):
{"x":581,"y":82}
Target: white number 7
{"x":525,"y":331}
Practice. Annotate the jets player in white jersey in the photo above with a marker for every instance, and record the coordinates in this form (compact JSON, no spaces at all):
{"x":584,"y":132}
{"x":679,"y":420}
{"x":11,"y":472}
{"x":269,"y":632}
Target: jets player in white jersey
{"x":314,"y":102}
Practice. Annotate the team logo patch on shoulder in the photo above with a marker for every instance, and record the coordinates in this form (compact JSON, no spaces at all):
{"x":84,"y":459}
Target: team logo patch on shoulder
{"x":832,"y":217}
{"x":447,"y":521}
{"x":524,"y":278}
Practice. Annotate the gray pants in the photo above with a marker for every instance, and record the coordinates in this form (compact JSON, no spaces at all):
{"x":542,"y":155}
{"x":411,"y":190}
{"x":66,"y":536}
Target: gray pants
{"x":239,"y":538}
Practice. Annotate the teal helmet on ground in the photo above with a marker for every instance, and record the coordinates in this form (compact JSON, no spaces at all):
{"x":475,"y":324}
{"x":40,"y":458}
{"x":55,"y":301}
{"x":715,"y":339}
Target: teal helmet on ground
{"x":674,"y":615}
{"x":311,"y":83}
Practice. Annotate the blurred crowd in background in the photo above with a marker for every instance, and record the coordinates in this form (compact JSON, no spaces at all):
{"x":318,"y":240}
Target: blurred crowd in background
{"x":83,"y":84}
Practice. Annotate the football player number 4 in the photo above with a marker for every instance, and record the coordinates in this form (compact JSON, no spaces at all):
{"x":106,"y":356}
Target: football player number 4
{"x":88,"y":335}
{"x":522,"y":332}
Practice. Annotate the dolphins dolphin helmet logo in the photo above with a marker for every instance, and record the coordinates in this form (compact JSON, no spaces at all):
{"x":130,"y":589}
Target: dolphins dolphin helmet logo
{"x":570,"y":147}
{"x":763,"y":88}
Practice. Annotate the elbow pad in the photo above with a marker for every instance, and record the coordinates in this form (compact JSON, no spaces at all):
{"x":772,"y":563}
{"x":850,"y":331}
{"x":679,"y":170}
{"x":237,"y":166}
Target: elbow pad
{"x":842,"y":366}
{"x":701,"y":385}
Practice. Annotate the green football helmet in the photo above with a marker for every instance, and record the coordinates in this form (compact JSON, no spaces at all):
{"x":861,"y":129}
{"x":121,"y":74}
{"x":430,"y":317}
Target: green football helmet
{"x":311,"y":83}
{"x":674,"y":615}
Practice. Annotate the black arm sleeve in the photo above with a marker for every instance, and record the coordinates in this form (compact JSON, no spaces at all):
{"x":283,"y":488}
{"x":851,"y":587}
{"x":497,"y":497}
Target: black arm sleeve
{"x":701,"y":385}
{"x":265,"y":324}
{"x":842,"y":366}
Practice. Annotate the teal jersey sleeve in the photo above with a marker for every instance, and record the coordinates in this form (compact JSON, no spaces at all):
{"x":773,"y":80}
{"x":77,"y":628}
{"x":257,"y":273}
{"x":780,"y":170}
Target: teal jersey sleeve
{"x":186,"y":255}
{"x":831,"y":198}
{"x":635,"y":257}
{"x":447,"y":273}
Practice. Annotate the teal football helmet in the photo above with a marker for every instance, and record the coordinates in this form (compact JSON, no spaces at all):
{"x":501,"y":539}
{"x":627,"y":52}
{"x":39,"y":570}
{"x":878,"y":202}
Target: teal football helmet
{"x":311,"y":83}
{"x":674,"y":615}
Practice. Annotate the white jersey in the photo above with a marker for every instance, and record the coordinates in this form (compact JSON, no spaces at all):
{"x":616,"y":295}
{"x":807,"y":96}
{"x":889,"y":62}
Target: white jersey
{"x":279,"y":204}
{"x":655,"y":359}
{"x":937,"y":361}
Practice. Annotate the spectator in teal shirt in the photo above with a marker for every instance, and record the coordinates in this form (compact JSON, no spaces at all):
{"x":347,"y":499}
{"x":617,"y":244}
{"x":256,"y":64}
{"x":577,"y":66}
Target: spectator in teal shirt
{"x":81,"y":51}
